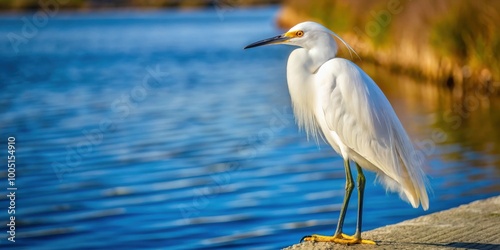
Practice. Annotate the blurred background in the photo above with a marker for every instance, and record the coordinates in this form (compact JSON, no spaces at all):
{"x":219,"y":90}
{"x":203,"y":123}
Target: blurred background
{"x":144,"y":124}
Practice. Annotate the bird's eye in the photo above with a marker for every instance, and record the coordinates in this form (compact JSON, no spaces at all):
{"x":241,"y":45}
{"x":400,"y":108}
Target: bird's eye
{"x":299,"y":33}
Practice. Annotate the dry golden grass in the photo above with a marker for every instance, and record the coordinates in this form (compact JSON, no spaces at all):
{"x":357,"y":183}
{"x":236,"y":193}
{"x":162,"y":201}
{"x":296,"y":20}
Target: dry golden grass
{"x":453,"y":41}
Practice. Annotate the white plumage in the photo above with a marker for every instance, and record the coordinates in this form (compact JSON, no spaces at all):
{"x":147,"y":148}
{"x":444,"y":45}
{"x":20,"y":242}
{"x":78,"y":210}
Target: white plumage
{"x":336,"y":100}
{"x":335,"y":97}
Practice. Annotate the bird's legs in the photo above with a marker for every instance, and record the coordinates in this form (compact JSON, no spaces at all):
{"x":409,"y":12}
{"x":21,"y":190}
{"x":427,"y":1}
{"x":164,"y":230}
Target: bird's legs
{"x":349,"y":186}
{"x":339,"y":237}
{"x":361,"y":192}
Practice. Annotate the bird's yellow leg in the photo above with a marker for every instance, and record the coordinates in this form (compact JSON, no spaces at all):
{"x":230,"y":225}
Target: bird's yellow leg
{"x":340,"y":239}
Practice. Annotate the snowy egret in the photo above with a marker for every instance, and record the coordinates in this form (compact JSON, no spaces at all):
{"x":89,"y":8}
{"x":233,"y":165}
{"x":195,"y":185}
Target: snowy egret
{"x":335,"y":100}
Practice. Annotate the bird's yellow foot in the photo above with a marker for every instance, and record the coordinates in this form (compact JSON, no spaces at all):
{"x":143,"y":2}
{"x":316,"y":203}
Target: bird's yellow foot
{"x":340,"y":239}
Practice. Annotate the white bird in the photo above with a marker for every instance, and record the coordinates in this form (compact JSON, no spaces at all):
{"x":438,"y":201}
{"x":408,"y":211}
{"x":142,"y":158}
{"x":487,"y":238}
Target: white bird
{"x":335,"y":100}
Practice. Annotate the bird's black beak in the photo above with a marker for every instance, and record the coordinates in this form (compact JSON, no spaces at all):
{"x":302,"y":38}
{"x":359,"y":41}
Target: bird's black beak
{"x":272,"y":40}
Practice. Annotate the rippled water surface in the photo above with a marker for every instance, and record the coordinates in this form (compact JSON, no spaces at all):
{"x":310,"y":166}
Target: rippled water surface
{"x":157,"y":130}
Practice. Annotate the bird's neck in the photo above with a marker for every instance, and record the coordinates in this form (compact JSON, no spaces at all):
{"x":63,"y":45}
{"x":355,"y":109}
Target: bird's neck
{"x":302,"y":66}
{"x":300,"y":73}
{"x":318,"y":55}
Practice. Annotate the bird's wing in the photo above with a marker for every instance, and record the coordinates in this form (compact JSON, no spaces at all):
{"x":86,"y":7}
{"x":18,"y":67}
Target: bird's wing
{"x":358,"y":112}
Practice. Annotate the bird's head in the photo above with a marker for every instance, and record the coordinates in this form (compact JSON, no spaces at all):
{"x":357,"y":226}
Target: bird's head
{"x":306,"y":35}
{"x":299,"y":35}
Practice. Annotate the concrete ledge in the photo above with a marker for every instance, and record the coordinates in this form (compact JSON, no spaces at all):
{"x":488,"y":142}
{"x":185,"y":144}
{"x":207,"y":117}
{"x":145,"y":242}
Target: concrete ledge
{"x":472,"y":226}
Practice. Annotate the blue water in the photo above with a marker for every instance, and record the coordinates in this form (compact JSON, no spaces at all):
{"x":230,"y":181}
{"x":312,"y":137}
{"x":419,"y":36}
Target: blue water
{"x":155,"y":129}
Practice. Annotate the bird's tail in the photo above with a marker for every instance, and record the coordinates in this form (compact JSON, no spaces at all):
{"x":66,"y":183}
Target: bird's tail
{"x":412,"y":180}
{"x":414,"y":192}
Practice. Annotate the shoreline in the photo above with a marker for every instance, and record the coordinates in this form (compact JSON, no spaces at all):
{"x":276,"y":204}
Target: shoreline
{"x":473,"y":226}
